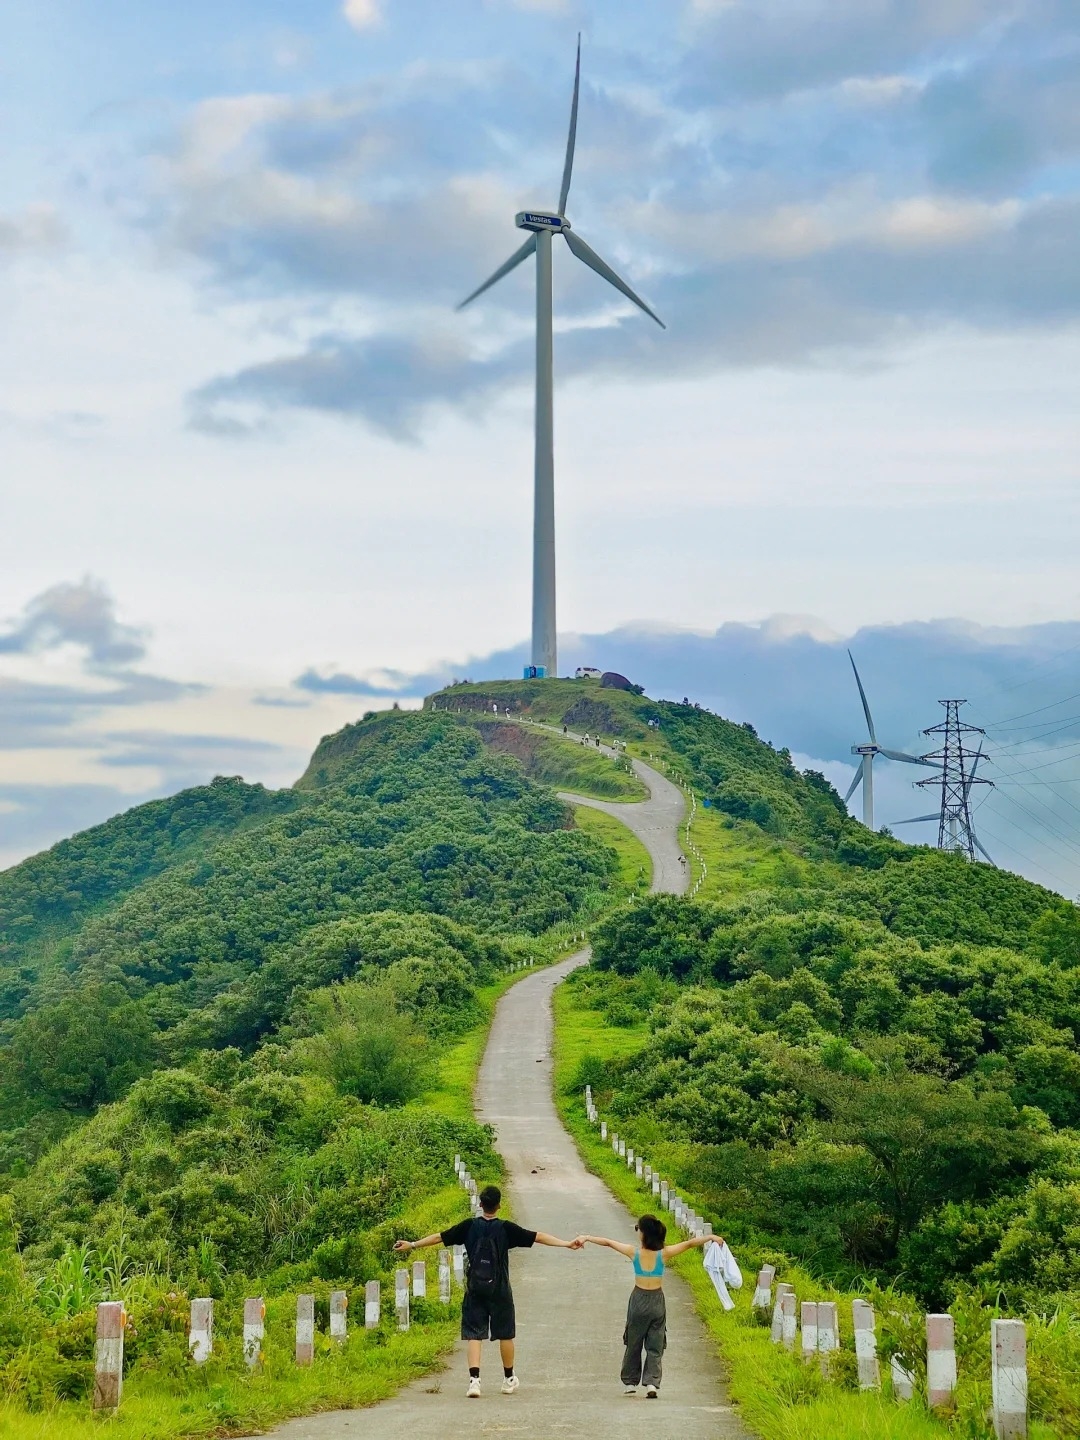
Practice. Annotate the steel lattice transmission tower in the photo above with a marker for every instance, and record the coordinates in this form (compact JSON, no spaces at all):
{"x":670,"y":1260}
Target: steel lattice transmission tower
{"x":958,"y":766}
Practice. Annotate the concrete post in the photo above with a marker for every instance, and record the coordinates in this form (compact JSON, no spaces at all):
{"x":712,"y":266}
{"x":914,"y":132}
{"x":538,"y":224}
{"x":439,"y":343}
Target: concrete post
{"x":787,"y":1317}
{"x":629,"y":1156}
{"x":663,"y":1193}
{"x":459,"y":1265}
{"x":808,"y":1320}
{"x":109,"y":1355}
{"x":201,"y":1331}
{"x":940,"y":1361}
{"x":457,"y":1166}
{"x":444,"y":1276}
{"x":1008,"y":1352}
{"x":778,"y":1312}
{"x":828,"y":1332}
{"x":305,"y":1329}
{"x":419,"y":1280}
{"x":656,"y":1185}
{"x":763,"y":1291}
{"x":622,"y":1149}
{"x":401,"y":1298}
{"x":639,"y":1168}
{"x":646,"y":1174}
{"x":903,"y":1382}
{"x":254,"y":1331}
{"x":603,"y":1129}
{"x":339,"y":1316}
{"x":862,"y":1319}
{"x":372,"y":1304}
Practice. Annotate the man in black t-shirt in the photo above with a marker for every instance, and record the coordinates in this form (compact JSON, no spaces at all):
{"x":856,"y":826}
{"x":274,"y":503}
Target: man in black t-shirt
{"x":487,"y":1310}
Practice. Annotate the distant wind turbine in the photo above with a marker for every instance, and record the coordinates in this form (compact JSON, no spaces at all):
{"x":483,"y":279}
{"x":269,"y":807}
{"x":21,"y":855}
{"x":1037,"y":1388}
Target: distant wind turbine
{"x":543,"y":225}
{"x":864,"y":776}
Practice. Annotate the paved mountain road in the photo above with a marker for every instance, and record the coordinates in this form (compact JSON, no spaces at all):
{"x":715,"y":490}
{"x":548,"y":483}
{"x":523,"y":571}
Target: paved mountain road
{"x":570,"y":1306}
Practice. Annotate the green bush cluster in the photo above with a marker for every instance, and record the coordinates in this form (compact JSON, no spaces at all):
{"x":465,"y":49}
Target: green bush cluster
{"x":879,"y":1101}
{"x":414,"y":816}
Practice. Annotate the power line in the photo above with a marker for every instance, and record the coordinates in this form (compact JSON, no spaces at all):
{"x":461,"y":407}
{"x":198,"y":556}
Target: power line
{"x":1039,"y":864}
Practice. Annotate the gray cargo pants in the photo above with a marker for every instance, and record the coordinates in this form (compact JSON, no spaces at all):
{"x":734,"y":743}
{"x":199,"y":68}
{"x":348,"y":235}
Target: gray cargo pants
{"x":646,"y":1331}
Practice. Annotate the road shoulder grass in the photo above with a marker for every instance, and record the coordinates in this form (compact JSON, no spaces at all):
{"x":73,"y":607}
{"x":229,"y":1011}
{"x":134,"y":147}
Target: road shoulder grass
{"x":777,"y":1396}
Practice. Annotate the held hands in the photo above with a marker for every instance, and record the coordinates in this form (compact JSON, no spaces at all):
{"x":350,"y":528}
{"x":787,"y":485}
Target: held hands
{"x":579,"y":1242}
{"x":401,"y":1246}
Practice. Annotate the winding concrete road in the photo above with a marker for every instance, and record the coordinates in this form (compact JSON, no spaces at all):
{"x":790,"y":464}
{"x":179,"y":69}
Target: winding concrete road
{"x":570,"y":1306}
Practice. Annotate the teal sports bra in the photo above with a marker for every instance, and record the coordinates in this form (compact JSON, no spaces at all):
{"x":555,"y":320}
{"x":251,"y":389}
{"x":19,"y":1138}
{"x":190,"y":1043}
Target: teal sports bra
{"x":655,"y":1272}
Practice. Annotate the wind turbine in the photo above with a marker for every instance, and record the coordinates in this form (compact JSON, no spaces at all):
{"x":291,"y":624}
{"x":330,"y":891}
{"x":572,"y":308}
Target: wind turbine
{"x":864,"y":776}
{"x":542,"y":225}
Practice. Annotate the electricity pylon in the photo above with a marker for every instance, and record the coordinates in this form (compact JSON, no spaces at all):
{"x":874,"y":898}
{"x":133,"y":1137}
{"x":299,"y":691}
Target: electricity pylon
{"x":958,"y":766}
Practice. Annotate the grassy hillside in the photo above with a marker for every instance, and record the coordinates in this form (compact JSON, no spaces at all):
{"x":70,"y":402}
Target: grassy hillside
{"x":47,"y":898}
{"x":241,"y":1058}
{"x":856,"y":1054}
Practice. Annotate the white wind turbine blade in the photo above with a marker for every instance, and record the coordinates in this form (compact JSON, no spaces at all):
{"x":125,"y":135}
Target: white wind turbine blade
{"x":982,"y":850}
{"x":589,"y":256}
{"x":571,"y":139}
{"x":908,"y":759}
{"x":515,"y":259}
{"x":975,"y":765}
{"x":918,"y":819}
{"x":865,"y":703}
{"x":856,"y":782}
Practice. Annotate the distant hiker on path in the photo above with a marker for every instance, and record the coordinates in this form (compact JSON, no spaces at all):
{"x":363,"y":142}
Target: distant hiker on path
{"x":487,"y":1310}
{"x":645,"y":1335}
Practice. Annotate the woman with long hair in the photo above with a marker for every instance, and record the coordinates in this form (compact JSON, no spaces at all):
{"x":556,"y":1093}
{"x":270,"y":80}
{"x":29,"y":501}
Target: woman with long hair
{"x":645,"y":1335}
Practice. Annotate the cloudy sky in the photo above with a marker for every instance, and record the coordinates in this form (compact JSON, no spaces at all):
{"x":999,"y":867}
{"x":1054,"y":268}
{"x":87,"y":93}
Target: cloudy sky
{"x":246,"y":439}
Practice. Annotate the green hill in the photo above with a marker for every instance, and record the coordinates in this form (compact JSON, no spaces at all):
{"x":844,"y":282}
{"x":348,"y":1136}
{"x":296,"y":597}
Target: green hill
{"x":237,"y":1025}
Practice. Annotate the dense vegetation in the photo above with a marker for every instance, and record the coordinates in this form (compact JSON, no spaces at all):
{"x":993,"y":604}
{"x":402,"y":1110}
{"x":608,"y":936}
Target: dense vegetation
{"x":226,"y":1013}
{"x":871,"y":1061}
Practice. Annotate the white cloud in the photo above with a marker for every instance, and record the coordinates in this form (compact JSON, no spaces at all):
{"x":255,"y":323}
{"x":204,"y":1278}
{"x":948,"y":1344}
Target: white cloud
{"x":361,"y":14}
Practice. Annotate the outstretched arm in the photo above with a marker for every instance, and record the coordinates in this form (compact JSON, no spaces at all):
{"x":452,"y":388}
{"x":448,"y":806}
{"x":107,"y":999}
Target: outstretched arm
{"x":403,"y":1245}
{"x":698,"y":1242}
{"x":619,"y":1245}
{"x":542,"y":1238}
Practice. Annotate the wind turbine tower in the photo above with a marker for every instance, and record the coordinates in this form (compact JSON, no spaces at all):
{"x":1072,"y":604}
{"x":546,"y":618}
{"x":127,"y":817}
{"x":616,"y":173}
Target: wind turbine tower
{"x":864,"y":776}
{"x":542,"y":226}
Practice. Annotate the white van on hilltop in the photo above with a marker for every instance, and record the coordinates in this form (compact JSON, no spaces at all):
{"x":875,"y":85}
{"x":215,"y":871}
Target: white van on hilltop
{"x":587,"y":672}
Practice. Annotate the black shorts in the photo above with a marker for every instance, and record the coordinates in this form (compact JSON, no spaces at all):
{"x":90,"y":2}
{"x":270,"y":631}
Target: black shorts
{"x":488,"y":1317}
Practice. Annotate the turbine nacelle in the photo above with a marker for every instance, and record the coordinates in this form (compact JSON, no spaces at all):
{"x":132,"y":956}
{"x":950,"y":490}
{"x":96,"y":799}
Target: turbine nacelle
{"x":540,"y":220}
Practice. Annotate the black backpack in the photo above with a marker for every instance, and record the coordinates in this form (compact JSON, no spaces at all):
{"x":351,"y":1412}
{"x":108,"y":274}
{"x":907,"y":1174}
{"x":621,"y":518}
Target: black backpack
{"x":484,"y":1261}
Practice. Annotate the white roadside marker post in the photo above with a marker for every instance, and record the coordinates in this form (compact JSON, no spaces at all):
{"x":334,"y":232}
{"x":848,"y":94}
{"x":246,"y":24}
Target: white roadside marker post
{"x":763,"y":1290}
{"x":656,"y":1185}
{"x":401,"y":1298}
{"x":339,"y":1316}
{"x":940,"y":1361}
{"x":372,"y":1304}
{"x":662,"y":1191}
{"x":419,"y":1280}
{"x":444,"y":1276}
{"x":201,"y":1331}
{"x":862,"y":1317}
{"x":603,"y":1129}
{"x":109,"y":1355}
{"x":828,"y":1332}
{"x":787,"y":1315}
{"x":1009,"y":1378}
{"x":305,"y":1329}
{"x":903,"y":1382}
{"x":254,"y":1331}
{"x":808,"y":1317}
